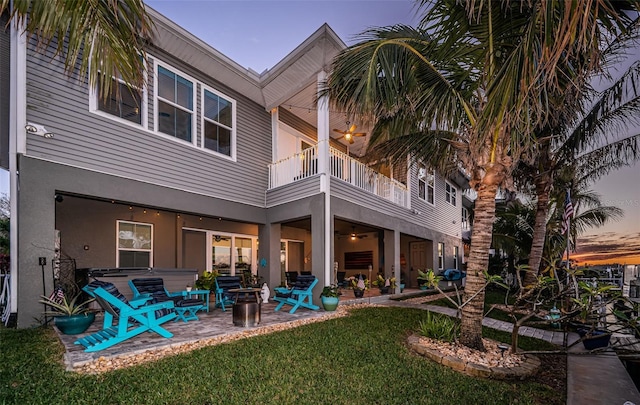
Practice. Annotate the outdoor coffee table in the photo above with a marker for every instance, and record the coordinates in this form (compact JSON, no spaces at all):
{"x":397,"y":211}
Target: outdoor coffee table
{"x":246,"y":312}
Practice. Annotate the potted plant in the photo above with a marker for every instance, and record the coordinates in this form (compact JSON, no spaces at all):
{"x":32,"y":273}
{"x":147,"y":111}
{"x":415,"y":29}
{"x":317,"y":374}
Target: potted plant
{"x":384,"y":284}
{"x":590,"y":303}
{"x":358,"y":287}
{"x":70,"y":317}
{"x":330,"y":297}
{"x":207,"y":281}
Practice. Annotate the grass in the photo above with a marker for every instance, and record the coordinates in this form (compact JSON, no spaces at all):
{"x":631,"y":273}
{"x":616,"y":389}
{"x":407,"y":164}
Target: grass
{"x":360,"y":359}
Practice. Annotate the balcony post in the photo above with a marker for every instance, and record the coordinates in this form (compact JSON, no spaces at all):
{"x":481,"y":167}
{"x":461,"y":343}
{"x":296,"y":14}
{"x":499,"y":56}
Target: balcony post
{"x":324,"y":171}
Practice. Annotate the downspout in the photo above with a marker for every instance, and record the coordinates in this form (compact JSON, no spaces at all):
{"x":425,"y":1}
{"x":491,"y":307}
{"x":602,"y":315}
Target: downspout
{"x":17,"y":144}
{"x":323,"y":169}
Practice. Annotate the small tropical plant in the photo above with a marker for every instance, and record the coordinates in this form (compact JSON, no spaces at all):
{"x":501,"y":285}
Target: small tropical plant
{"x":60,"y":306}
{"x":424,"y":276}
{"x":330,"y":291}
{"x":440,"y":327}
{"x":207,"y":280}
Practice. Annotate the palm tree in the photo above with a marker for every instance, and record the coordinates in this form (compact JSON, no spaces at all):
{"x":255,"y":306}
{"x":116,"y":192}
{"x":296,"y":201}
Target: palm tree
{"x":513,"y":230}
{"x":466,"y":87}
{"x":589,"y":210}
{"x":583,"y":140}
{"x":104,"y":38}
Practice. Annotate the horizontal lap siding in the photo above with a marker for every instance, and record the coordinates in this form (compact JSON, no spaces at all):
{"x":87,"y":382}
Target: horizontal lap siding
{"x":94,"y":142}
{"x":439,"y":218}
{"x":294,"y":191}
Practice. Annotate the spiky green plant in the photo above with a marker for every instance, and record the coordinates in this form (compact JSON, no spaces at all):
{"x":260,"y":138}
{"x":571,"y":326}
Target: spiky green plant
{"x":65,"y":307}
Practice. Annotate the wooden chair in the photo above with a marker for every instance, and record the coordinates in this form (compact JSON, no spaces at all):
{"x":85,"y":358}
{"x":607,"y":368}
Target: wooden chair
{"x":124,"y":319}
{"x":301,"y":295}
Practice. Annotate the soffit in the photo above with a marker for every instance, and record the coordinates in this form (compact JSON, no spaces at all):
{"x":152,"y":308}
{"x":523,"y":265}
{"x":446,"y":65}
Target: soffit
{"x":191,"y":50}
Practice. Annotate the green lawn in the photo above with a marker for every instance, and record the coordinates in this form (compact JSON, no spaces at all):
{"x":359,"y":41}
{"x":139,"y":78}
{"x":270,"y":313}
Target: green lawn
{"x":360,"y":359}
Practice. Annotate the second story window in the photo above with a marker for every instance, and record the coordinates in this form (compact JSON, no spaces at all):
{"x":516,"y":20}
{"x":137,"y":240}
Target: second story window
{"x":465,"y":219}
{"x":218,"y":123}
{"x":426,"y":184}
{"x":174,"y":96}
{"x":450,"y":193}
{"x":123,"y":101}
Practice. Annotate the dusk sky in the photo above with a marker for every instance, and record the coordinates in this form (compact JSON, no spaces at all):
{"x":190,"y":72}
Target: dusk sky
{"x":258,"y":34}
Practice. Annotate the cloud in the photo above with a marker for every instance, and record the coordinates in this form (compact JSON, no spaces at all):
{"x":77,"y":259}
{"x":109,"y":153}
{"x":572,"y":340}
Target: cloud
{"x":608,"y":247}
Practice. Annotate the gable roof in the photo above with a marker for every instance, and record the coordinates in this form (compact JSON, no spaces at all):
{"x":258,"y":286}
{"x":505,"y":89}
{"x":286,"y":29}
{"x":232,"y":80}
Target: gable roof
{"x":291,"y":75}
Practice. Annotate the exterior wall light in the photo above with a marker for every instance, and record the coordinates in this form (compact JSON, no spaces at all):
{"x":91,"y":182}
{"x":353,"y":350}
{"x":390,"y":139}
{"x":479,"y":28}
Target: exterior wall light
{"x":38,"y":129}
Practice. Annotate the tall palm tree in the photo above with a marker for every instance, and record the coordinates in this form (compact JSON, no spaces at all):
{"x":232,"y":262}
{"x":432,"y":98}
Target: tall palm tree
{"x":589,"y":210}
{"x":467,"y":86}
{"x":513,"y":230}
{"x":104,"y":38}
{"x":587,"y":138}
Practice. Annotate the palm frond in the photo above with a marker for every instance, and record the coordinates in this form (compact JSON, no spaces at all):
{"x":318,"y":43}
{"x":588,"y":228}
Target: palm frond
{"x":101,"y":38}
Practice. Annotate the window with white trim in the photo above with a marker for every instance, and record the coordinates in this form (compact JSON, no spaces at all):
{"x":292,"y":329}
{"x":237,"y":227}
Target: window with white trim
{"x":450,"y":193}
{"x":426,"y":184}
{"x":440,"y":255}
{"x":135,"y":244}
{"x":218,"y":116}
{"x":123,"y":101}
{"x":456,"y":252}
{"x":174,"y":100}
{"x":465,"y":218}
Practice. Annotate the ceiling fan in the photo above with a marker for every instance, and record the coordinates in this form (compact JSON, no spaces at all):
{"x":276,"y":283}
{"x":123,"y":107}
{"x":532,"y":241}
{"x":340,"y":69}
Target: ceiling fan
{"x":349,"y":133}
{"x":353,"y":235}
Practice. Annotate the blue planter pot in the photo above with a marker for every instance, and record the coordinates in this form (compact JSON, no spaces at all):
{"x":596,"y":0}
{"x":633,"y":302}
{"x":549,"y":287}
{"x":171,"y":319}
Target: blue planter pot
{"x":330,"y":303}
{"x":596,"y":339}
{"x":74,"y":324}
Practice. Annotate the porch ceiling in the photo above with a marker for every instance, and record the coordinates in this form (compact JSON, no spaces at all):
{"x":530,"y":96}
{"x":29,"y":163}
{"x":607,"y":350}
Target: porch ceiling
{"x":303,"y":105}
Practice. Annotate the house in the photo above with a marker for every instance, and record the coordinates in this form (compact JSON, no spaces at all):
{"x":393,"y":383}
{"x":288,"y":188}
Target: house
{"x":210,"y":166}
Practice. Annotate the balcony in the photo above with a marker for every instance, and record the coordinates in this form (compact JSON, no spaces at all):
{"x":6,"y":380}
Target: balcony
{"x":342,"y":167}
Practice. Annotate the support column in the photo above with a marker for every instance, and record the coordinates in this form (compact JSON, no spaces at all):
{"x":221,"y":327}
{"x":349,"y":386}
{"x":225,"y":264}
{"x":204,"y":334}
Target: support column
{"x":17,"y":145}
{"x":269,"y":254}
{"x":318,"y":244}
{"x":392,"y":256}
{"x":325,"y":176}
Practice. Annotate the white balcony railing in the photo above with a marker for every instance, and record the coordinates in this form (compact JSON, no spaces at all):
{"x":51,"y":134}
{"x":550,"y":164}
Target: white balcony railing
{"x":296,"y":167}
{"x":343,"y":167}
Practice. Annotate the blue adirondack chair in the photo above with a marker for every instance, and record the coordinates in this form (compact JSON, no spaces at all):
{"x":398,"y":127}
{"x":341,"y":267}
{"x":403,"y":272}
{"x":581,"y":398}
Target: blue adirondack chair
{"x":185,"y":306}
{"x":223,"y":285}
{"x":133,"y":317}
{"x":301,"y":295}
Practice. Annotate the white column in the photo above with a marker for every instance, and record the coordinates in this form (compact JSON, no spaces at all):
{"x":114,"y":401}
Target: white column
{"x":396,"y":260}
{"x":274,"y":134}
{"x":323,"y":170}
{"x":17,"y":143}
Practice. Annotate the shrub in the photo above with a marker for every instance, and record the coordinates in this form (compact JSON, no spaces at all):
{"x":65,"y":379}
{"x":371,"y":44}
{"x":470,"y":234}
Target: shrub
{"x":440,"y":327}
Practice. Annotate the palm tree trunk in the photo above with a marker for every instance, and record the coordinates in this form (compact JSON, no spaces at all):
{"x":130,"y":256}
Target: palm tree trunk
{"x":473,"y":312}
{"x":543,"y":189}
